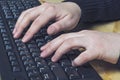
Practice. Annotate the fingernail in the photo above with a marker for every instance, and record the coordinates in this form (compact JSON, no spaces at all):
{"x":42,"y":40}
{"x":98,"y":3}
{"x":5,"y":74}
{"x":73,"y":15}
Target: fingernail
{"x":52,"y":31}
{"x":15,"y":35}
{"x":42,"y":48}
{"x":73,"y":64}
{"x":25,"y":38}
{"x":54,"y":59}
{"x":42,"y":54}
{"x":14,"y":31}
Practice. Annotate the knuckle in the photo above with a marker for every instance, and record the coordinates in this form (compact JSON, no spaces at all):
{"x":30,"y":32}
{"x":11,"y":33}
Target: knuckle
{"x":70,"y":16}
{"x":59,"y":52}
{"x":37,"y":21}
{"x":24,"y":12}
{"x":84,"y":31}
{"x":86,"y":57}
{"x":49,"y":7}
{"x":21,"y":27}
{"x":50,"y":48}
{"x":57,"y":26}
{"x":27,"y":11}
{"x":24,"y":22}
{"x":71,"y":41}
{"x":27,"y":17}
{"x":28,"y":14}
{"x":46,"y":4}
{"x":29,"y":32}
{"x":62,"y":36}
{"x":76,"y":63}
{"x":50,"y":45}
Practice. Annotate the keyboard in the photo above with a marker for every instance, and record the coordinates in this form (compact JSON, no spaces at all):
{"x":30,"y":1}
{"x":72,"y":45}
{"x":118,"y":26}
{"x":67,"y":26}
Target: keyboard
{"x":22,"y":61}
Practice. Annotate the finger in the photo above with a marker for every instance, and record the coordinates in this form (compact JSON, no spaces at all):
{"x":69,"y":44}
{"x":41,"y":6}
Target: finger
{"x":84,"y":57}
{"x":67,"y":45}
{"x":49,"y":48}
{"x":60,"y":25}
{"x":20,"y":19}
{"x":20,"y":26}
{"x":44,"y":46}
{"x":43,"y":19}
{"x":63,"y":37}
{"x":25,"y":19}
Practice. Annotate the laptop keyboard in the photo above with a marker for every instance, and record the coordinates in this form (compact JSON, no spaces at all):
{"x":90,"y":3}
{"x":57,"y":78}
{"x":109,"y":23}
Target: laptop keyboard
{"x":22,"y":61}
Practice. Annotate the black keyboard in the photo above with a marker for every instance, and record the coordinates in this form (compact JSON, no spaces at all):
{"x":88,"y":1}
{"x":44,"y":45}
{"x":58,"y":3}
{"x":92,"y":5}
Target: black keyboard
{"x":21,"y":61}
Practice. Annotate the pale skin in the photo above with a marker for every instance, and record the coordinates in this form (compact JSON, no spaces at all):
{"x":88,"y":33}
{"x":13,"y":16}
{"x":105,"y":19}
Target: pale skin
{"x":97,"y":45}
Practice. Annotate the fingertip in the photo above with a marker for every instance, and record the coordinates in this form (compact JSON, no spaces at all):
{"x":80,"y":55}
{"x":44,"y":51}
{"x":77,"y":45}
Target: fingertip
{"x":54,"y":59}
{"x":51,"y":30}
{"x":75,"y":63}
{"x":42,"y":48}
{"x":16,"y":35}
{"x":24,"y":39}
{"x":14,"y":31}
{"x":42,"y":54}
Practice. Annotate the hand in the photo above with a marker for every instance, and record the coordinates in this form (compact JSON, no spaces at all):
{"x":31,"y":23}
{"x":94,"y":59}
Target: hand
{"x":65,"y":14}
{"x":98,"y":45}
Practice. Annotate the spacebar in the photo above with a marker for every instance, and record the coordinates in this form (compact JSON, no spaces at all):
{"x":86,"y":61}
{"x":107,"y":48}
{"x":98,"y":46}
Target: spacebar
{"x":59,"y":73}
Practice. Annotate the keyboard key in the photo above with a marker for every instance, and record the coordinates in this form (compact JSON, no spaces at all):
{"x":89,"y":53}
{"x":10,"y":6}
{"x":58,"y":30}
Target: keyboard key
{"x":48,"y":75}
{"x":12,"y":58}
{"x":16,"y":69}
{"x":58,"y":71}
{"x":72,"y":73}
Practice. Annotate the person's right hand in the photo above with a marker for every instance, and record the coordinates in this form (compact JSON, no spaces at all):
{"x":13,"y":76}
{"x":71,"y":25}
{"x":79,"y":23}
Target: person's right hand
{"x":98,"y":45}
{"x":66,"y":15}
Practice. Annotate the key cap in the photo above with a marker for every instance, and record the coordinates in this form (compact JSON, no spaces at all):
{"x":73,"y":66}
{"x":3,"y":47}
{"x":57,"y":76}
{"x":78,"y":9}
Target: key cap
{"x":58,"y":71}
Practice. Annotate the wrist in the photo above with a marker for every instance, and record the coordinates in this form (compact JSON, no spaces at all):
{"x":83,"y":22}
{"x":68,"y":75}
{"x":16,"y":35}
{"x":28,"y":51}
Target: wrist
{"x":73,"y":5}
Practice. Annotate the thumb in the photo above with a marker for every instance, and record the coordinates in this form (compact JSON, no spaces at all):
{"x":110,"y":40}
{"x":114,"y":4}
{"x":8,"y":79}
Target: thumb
{"x":55,"y":28}
{"x":83,"y":58}
{"x":61,"y":25}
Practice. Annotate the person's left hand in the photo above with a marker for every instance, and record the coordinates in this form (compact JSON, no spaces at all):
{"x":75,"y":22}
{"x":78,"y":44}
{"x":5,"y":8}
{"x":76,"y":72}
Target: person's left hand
{"x":65,"y":14}
{"x":98,"y":45}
